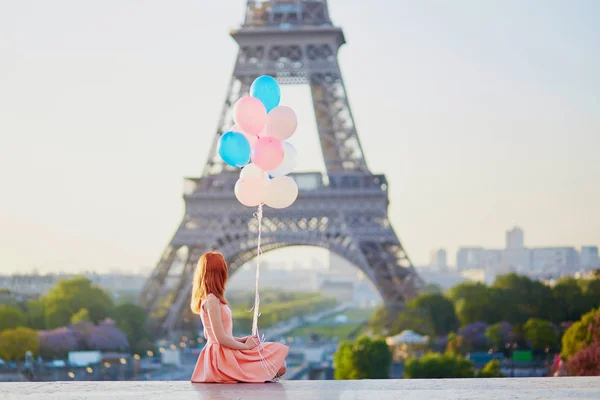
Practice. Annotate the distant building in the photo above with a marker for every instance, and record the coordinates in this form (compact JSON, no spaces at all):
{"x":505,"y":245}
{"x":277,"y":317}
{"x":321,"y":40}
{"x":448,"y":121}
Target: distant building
{"x":517,"y":259}
{"x":491,"y":258}
{"x":469,"y":257}
{"x":538,"y":262}
{"x":554,"y":258}
{"x":438,"y":259}
{"x":39,"y":285}
{"x":514,"y":238}
{"x":589,"y":256}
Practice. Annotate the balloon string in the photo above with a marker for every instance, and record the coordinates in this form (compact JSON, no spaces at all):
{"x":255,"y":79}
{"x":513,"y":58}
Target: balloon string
{"x":259,"y":215}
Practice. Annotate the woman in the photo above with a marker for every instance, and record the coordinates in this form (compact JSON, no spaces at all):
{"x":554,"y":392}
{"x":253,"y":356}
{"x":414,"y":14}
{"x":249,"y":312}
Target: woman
{"x":226,"y":359}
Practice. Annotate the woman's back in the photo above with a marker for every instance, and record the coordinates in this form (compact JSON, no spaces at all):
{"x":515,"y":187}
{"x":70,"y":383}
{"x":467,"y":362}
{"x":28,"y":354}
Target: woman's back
{"x":209,"y":335}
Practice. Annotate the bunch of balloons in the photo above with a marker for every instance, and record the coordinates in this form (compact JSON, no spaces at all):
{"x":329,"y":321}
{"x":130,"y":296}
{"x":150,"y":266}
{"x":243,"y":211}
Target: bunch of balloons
{"x":257,"y":143}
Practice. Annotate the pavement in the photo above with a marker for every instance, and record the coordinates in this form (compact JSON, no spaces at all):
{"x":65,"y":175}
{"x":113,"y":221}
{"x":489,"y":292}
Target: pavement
{"x":583,"y":388}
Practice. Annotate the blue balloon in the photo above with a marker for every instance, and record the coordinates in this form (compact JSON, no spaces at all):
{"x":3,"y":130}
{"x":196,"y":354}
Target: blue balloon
{"x":234,"y":149}
{"x":266,"y":89}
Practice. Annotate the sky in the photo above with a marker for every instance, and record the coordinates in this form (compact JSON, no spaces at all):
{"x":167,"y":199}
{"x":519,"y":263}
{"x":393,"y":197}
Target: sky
{"x":482,"y":114}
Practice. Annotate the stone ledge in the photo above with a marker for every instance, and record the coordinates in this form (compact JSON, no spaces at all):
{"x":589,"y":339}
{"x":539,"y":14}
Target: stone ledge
{"x":503,"y":388}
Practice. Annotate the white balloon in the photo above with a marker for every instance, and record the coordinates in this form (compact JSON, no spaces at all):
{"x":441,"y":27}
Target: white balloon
{"x":289,"y":162}
{"x":281,"y":123}
{"x":251,"y":171}
{"x":282,"y":192}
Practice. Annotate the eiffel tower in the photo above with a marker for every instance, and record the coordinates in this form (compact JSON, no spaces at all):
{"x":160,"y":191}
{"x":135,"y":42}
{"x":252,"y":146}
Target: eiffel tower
{"x":343,"y":210}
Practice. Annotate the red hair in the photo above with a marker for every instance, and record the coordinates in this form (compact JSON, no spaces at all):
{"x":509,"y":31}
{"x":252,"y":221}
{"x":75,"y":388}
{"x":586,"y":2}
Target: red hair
{"x":209,"y":278}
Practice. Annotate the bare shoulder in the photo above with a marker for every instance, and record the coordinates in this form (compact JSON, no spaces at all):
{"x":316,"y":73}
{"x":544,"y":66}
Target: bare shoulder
{"x":212,"y":301}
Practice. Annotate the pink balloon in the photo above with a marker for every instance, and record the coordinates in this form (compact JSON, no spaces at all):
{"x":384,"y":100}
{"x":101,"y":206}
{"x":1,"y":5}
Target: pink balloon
{"x":250,"y":114}
{"x":251,"y":191}
{"x":268,"y":153}
{"x":281,"y":123}
{"x":251,"y":138}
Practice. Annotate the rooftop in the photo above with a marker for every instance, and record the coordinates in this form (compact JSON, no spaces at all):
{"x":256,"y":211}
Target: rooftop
{"x":504,"y":388}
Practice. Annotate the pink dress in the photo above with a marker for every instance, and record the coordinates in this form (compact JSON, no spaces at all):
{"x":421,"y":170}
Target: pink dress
{"x":220,"y":364}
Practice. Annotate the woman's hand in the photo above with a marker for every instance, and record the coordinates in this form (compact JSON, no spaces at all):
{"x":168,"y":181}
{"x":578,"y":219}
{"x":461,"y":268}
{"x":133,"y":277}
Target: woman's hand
{"x":252,"y":342}
{"x":242,"y":339}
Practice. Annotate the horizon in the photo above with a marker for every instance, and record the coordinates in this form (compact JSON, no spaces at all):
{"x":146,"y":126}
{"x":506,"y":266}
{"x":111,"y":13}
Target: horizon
{"x":107,"y":108}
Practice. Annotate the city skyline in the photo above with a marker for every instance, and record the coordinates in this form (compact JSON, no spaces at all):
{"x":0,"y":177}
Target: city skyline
{"x":514,"y":240}
{"x":106,"y":108}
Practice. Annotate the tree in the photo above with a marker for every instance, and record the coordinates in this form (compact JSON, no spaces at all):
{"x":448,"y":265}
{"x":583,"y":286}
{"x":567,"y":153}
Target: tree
{"x":131,"y":320}
{"x":440,"y":311}
{"x":457,"y":345}
{"x":581,"y":334}
{"x":70,"y":296}
{"x":10,"y":317}
{"x":500,"y":334}
{"x":414,"y":319}
{"x":540,"y":334}
{"x":591,"y":292}
{"x":439,"y":366}
{"x":15,"y":343}
{"x":35,"y":314}
{"x":365,"y":358}
{"x":586,"y":362}
{"x":474,"y":335}
{"x":80,"y":316}
{"x":569,"y":301}
{"x":387,"y":322}
{"x":106,"y":336}
{"x":473,"y":303}
{"x":522,"y":298}
{"x":382,"y":320}
{"x":491,"y":370}
{"x":59,"y":342}
{"x":433,"y":288}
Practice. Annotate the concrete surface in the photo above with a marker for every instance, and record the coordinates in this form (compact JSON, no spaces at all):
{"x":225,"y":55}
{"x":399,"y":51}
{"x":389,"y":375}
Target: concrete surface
{"x":503,"y":388}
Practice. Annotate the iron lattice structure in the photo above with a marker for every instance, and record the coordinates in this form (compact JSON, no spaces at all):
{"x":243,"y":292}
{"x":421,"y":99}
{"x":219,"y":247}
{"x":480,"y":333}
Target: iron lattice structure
{"x":343,"y":210}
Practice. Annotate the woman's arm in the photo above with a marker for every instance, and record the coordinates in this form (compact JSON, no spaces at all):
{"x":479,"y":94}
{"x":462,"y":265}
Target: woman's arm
{"x":213,"y":306}
{"x":242,"y":339}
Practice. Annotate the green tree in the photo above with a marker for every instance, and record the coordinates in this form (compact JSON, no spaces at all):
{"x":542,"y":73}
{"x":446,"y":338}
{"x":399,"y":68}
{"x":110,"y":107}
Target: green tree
{"x":522,"y":298}
{"x":457,"y":345}
{"x":591,"y":292}
{"x":491,"y":370}
{"x":541,"y":334}
{"x":433,"y":288}
{"x":499,"y":334}
{"x":414,"y":319}
{"x":70,"y":296}
{"x":569,"y":301}
{"x":82,"y":315}
{"x":132,"y":320}
{"x":35,"y":314}
{"x":10,"y":317}
{"x":473,"y":302}
{"x":440,"y":311}
{"x":365,"y":358}
{"x":439,"y":366}
{"x":7,"y":298}
{"x":581,"y":334}
{"x":495,"y":335}
{"x":382,"y":320}
{"x":15,"y":343}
